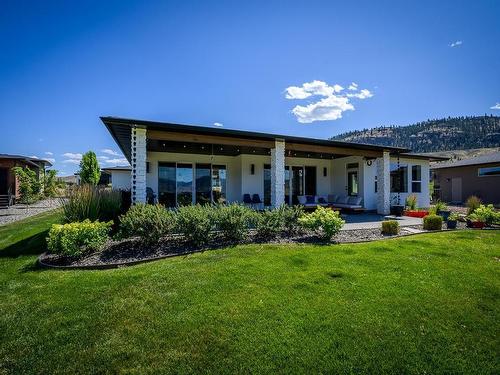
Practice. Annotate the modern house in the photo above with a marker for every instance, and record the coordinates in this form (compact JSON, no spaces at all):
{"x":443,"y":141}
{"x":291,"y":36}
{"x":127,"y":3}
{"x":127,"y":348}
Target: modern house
{"x":9,"y":185}
{"x":119,"y":177}
{"x":455,"y":181}
{"x":186,"y":164}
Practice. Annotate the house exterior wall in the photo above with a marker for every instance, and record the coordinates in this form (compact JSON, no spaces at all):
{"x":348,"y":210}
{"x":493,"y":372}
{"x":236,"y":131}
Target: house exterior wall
{"x":487,"y":188}
{"x":241,"y":181}
{"x":120,"y":180}
{"x":12,"y":181}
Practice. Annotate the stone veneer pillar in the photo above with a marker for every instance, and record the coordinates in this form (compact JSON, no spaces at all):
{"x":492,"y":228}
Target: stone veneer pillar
{"x":383,"y":184}
{"x":138,"y":161}
{"x":278,"y":173}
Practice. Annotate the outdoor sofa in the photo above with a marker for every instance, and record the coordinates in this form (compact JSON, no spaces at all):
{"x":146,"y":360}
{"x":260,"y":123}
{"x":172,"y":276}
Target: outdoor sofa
{"x":331,"y":200}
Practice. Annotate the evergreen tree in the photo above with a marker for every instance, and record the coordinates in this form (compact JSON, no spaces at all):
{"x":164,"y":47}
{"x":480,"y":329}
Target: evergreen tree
{"x":90,"y":173}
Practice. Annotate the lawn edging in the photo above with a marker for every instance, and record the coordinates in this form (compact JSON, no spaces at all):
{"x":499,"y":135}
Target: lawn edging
{"x":42,"y":264}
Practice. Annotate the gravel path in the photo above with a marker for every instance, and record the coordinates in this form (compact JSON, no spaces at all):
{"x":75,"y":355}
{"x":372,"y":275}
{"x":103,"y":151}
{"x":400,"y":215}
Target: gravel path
{"x":22,"y":211}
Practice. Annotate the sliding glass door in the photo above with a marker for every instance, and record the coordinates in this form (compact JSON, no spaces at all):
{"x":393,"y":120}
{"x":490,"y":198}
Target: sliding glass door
{"x":180,"y":184}
{"x":166,"y":184}
{"x":297,"y":183}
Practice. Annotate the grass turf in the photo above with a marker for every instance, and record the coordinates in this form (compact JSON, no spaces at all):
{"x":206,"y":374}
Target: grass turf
{"x":422,"y":304}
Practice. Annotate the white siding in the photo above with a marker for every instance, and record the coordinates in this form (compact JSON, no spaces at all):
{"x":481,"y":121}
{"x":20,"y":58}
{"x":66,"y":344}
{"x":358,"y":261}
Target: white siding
{"x":120,"y":180}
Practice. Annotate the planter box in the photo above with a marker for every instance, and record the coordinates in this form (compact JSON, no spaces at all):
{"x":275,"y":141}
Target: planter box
{"x":397,"y":210}
{"x":476,"y":224}
{"x":444,"y":214}
{"x":451,"y":224}
{"x":419,"y":214}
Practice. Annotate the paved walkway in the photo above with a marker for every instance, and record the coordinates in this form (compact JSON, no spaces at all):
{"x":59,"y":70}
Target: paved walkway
{"x":22,"y":211}
{"x":369,"y":221}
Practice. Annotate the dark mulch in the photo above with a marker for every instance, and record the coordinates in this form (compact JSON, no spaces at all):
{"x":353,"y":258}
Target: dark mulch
{"x":133,"y":251}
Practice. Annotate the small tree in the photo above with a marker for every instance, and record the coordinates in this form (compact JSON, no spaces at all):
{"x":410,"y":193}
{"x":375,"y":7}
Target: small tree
{"x":90,"y":173}
{"x":29,"y":185}
{"x":50,"y":183}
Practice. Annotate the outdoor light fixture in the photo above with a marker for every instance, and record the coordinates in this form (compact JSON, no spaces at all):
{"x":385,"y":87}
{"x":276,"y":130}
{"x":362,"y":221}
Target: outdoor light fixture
{"x":252,"y":168}
{"x":324,"y":171}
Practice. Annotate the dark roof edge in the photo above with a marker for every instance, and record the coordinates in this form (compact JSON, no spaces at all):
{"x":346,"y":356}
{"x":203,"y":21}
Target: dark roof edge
{"x":447,"y":166}
{"x":422,"y":157}
{"x":110,"y":120}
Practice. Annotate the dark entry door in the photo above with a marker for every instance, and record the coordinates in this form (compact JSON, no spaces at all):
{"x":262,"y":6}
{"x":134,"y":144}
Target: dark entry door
{"x":4,"y":181}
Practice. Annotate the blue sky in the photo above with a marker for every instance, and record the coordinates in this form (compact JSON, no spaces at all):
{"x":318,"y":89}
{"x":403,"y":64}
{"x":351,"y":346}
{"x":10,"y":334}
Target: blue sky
{"x":279,"y":67}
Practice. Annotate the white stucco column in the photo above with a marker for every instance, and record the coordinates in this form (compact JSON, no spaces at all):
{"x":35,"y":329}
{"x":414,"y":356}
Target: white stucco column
{"x":383,"y":184}
{"x":278,"y":173}
{"x":138,"y":161}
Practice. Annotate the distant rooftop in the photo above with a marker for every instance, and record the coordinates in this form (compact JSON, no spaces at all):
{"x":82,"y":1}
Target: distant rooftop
{"x":27,"y":159}
{"x":494,"y":157}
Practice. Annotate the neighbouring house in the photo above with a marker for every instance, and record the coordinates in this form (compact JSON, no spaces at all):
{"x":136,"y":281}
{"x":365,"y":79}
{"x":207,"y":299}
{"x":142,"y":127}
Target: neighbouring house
{"x":455,"y":181}
{"x":9,"y":184}
{"x":119,"y":177}
{"x":186,"y":164}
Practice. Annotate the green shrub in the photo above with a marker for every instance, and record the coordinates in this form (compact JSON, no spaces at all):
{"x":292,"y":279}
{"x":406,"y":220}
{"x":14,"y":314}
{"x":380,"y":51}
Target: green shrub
{"x":233,"y":220}
{"x":472,"y":203}
{"x":411,"y":202}
{"x":76,"y":238}
{"x":324,"y":221}
{"x":90,"y":202}
{"x":390,"y":227}
{"x":290,"y":218}
{"x":486,"y":214}
{"x":433,"y":222}
{"x":453,"y":216}
{"x":440,"y":206}
{"x":195,"y":223}
{"x":148,"y":222}
{"x":30,"y":187}
{"x":269,"y":224}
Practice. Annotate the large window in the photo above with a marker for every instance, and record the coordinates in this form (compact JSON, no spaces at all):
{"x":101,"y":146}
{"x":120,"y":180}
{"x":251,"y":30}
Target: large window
{"x":179,"y":184}
{"x":416,"y":179}
{"x":488,"y":171}
{"x":203,"y":184}
{"x":298,"y":181}
{"x":166,"y":184}
{"x":399,"y":180}
{"x":219,"y":179}
{"x":184,"y":184}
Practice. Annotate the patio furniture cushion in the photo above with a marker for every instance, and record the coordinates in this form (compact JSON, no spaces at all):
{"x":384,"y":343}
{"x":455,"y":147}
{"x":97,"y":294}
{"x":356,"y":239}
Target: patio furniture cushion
{"x":310,"y":199}
{"x":345,"y":205}
{"x":322,"y":199}
{"x":332,"y":198}
{"x":354,"y":201}
{"x":302,"y":199}
{"x":342,"y":200}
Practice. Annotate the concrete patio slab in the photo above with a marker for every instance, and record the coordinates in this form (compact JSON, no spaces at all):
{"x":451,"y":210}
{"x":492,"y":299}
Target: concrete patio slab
{"x":372,"y":220}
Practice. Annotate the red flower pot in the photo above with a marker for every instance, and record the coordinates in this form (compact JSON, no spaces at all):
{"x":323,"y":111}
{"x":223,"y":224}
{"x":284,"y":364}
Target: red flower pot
{"x":419,"y":214}
{"x":478,"y":224}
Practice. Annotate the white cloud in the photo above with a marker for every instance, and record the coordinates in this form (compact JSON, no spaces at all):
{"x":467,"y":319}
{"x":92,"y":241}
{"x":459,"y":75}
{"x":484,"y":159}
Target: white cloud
{"x":218,"y":124}
{"x":363,"y":94}
{"x":312,"y":88}
{"x":102,"y":157}
{"x":48,"y":153}
{"x":110,"y":152}
{"x":72,"y":158}
{"x":328,"y":108}
{"x":496,"y":106}
{"x":456,"y":43}
{"x":117,"y":161}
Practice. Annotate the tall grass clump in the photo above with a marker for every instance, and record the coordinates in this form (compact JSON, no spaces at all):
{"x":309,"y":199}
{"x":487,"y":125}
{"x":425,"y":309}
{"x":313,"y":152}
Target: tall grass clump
{"x":92,"y":203}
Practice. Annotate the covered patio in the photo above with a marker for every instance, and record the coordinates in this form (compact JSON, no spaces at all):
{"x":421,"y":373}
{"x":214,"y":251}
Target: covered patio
{"x":186,"y":164}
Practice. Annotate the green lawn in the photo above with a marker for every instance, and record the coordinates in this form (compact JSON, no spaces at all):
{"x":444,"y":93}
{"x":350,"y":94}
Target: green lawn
{"x":422,"y":304}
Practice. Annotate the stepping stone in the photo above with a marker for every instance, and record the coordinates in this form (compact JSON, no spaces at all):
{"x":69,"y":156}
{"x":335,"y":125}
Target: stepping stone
{"x":412,"y":230}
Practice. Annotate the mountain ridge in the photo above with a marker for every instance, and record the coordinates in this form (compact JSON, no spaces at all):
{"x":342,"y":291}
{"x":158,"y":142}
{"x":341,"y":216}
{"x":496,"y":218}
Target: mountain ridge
{"x":437,"y":135}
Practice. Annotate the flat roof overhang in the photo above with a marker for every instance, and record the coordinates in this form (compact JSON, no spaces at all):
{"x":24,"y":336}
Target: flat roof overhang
{"x":170,"y":137}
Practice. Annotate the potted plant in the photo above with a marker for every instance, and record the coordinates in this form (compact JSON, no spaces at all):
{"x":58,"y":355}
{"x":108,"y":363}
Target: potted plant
{"x":397,"y":209}
{"x":451,"y":221}
{"x":475,"y":220}
{"x":411,"y":208}
{"x":441,"y":209}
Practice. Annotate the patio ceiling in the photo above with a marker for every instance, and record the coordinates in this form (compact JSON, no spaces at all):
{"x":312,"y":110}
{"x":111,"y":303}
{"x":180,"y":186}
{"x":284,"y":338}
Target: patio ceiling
{"x":168,"y":137}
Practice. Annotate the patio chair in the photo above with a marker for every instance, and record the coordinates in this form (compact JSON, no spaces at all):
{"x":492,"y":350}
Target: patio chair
{"x":256,"y":200}
{"x":247,"y":200}
{"x":150,"y":196}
